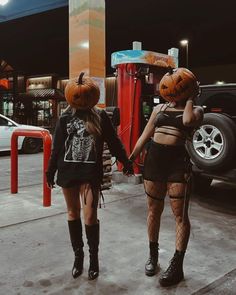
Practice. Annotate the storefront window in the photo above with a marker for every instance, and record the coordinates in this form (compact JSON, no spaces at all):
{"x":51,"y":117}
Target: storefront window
{"x":7,"y":105}
{"x":62,"y":105}
{"x":42,"y":112}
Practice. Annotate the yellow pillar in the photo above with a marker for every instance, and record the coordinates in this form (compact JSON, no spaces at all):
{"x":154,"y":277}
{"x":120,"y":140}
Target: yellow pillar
{"x":87,"y":40}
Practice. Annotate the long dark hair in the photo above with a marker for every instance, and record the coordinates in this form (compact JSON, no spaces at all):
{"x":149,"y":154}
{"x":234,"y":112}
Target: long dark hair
{"x":93,"y":122}
{"x":90,"y":117}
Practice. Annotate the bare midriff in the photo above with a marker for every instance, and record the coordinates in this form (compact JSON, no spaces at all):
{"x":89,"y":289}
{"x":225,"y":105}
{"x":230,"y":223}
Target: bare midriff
{"x":174,"y":136}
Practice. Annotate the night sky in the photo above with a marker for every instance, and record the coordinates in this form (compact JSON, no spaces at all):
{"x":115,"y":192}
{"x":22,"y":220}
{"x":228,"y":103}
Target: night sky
{"x":38,"y":44}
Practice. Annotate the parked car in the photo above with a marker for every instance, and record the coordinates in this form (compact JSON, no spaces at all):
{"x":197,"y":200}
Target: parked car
{"x":28,"y":145}
{"x":213,"y":148}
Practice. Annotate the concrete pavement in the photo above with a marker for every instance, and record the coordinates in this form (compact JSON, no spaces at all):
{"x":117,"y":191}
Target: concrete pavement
{"x":36,"y":256}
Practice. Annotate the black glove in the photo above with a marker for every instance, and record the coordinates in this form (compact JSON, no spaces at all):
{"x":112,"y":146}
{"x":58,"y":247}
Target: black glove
{"x":128,"y":168}
{"x":50,"y":179}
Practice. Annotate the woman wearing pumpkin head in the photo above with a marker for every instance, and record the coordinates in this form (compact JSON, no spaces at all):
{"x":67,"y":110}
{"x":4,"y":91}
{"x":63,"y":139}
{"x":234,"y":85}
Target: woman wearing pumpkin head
{"x":167,"y":165}
{"x":77,"y":157}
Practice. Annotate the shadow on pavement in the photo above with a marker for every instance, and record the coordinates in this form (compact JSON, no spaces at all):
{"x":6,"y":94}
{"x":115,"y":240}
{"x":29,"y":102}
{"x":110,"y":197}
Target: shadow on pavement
{"x":221,"y":197}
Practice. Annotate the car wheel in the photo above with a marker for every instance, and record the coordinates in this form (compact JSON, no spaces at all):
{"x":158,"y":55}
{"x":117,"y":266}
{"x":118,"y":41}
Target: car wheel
{"x":32,"y":145}
{"x":214,"y":143}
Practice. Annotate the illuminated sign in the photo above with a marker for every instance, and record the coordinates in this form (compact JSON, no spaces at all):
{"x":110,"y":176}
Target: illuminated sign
{"x":4,"y":83}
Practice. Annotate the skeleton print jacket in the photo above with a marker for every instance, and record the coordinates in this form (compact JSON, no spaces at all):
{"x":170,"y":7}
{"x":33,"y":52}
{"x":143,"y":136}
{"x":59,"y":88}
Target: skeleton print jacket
{"x":77,"y":155}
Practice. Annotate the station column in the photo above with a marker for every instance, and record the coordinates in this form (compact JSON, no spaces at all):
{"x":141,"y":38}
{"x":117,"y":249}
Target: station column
{"x":87,"y":41}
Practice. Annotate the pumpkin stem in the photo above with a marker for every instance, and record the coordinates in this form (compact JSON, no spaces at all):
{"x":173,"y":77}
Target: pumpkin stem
{"x":80,"y":80}
{"x":170,"y":70}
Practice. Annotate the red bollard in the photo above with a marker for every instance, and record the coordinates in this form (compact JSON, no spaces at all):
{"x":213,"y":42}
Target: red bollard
{"x":47,"y":143}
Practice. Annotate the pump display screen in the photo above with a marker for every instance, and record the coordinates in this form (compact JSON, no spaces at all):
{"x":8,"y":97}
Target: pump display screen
{"x":156,"y":100}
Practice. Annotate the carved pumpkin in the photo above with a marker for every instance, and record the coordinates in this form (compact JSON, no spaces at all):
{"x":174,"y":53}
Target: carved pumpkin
{"x":178,"y":84}
{"x":82,"y":93}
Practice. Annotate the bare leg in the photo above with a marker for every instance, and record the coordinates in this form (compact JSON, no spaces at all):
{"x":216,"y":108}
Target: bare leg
{"x":90,"y":198}
{"x":72,"y":199}
{"x":90,"y":203}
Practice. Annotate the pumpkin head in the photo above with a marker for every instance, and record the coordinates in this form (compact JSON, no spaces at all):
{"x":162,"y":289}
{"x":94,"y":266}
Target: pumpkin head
{"x":178,"y":85}
{"x":82,"y":93}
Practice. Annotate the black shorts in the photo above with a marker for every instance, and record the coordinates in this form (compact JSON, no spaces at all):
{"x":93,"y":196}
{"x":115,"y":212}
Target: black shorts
{"x":166,"y":163}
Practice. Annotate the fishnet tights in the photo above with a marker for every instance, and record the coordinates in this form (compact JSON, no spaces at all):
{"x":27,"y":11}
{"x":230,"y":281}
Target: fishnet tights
{"x":179,"y":200}
{"x":179,"y":208}
{"x":156,"y":193}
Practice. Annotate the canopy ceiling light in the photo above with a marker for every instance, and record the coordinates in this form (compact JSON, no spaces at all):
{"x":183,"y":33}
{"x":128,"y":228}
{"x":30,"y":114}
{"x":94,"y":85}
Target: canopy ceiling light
{"x":3,"y":2}
{"x":10,"y":9}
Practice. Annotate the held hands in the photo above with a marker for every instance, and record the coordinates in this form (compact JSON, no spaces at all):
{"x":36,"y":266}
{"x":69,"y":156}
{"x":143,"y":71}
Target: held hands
{"x":128,"y":168}
{"x":50,"y":180}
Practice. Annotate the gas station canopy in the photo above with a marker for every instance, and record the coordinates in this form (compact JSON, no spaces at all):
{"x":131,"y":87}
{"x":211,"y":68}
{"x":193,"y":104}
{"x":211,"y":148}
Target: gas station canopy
{"x":12,"y":9}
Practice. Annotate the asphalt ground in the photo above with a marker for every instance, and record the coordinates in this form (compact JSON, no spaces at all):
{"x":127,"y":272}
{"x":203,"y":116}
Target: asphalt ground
{"x":36,"y":255}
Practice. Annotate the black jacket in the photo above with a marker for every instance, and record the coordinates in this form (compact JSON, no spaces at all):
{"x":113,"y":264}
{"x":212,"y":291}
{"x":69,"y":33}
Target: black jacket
{"x":77,"y":155}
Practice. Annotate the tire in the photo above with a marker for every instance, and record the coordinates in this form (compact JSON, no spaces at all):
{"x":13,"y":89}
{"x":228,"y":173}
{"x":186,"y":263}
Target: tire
{"x":31,"y":145}
{"x":200,"y":184}
{"x":214,"y":143}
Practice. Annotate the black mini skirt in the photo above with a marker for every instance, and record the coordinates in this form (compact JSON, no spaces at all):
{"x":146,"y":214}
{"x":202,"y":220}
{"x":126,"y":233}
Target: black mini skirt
{"x":166,"y":163}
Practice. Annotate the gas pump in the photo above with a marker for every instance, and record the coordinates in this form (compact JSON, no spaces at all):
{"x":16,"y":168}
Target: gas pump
{"x":138,"y":75}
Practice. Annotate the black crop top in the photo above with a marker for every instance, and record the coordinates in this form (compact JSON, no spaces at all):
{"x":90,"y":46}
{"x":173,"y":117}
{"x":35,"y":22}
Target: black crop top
{"x":172,"y":119}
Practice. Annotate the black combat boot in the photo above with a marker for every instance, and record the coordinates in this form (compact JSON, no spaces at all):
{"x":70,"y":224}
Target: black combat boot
{"x":75,"y":229}
{"x":151,"y":265}
{"x":174,"y":273}
{"x":92,"y":233}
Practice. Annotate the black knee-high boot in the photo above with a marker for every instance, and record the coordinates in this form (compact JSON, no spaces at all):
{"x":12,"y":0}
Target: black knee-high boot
{"x":151,"y":265}
{"x":75,"y":229}
{"x":174,"y":273}
{"x":92,"y":233}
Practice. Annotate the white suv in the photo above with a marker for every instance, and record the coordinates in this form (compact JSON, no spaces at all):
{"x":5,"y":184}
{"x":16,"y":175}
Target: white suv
{"x":28,"y":145}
